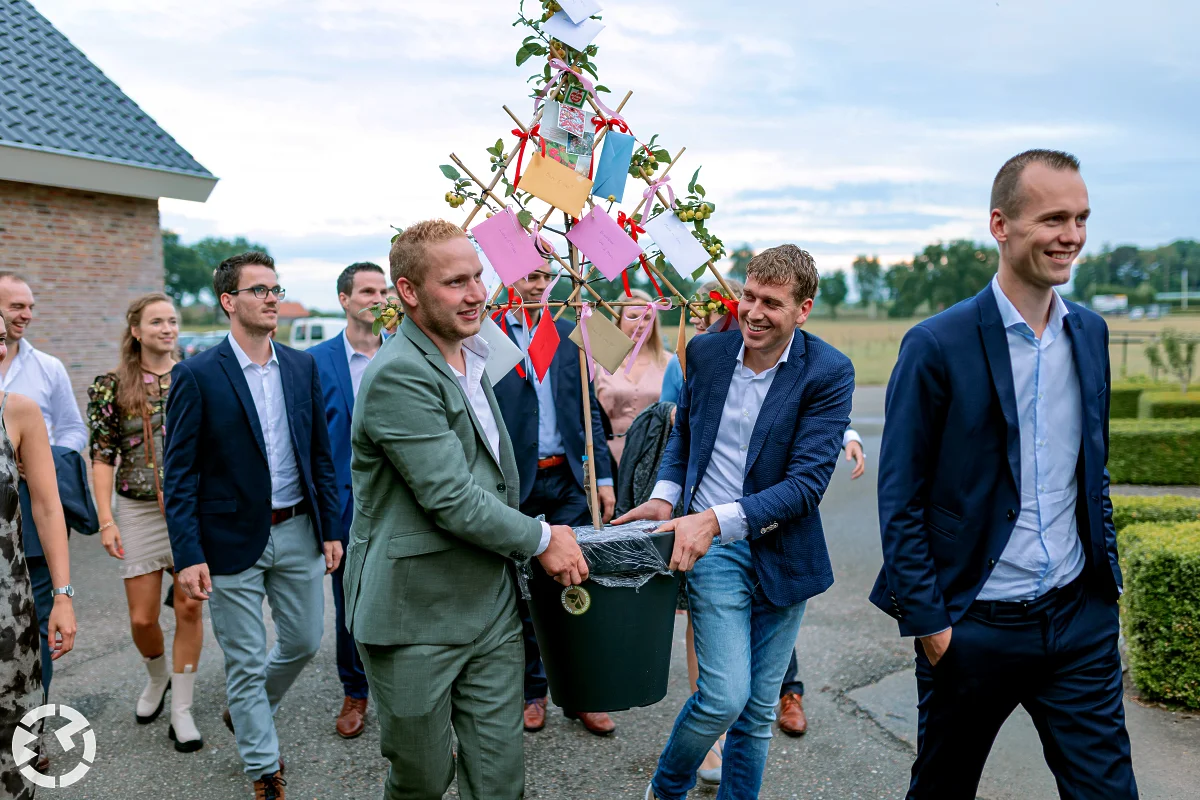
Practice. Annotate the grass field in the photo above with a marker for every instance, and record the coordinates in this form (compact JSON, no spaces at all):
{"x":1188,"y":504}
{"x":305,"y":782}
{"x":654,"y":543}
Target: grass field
{"x":873,"y":344}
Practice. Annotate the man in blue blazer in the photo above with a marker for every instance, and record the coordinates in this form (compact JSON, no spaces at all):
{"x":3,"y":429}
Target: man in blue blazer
{"x":341,"y":362}
{"x":545,"y":421}
{"x":757,"y":434}
{"x":998,"y":544}
{"x":251,"y":503}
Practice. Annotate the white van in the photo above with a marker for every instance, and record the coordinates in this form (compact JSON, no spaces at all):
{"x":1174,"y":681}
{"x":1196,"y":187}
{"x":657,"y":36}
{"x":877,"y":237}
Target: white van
{"x":314,"y":330}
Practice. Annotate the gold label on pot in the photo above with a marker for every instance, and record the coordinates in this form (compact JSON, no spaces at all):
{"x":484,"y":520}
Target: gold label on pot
{"x":576,"y":600}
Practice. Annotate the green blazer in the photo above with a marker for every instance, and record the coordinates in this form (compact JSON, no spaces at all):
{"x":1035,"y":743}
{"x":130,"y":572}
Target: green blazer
{"x":436,"y":527}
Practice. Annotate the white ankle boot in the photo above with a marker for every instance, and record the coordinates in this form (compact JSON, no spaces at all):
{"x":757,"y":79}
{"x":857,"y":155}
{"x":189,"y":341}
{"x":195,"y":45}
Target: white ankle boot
{"x":183,"y":730}
{"x":150,"y":703}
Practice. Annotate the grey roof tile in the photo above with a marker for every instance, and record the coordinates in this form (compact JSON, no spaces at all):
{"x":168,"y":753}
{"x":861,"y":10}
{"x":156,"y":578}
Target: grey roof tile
{"x":52,"y":97}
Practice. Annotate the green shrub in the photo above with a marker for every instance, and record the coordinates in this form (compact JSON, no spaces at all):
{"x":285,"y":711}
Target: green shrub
{"x":1169,"y":405}
{"x":1123,"y":403}
{"x":1161,"y":565}
{"x":1153,"y":451}
{"x":1133,"y":509}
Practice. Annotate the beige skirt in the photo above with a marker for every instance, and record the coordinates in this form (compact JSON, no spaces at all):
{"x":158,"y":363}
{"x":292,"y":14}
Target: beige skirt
{"x":144,"y":537}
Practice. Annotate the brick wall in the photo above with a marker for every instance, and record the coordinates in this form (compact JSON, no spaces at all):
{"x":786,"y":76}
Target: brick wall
{"x":86,"y":256}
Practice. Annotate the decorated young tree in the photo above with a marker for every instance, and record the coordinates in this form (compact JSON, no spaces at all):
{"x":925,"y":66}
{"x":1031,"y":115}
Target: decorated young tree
{"x":549,"y":197}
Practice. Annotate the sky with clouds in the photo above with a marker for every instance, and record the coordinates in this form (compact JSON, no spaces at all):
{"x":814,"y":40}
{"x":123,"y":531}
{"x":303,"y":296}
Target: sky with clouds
{"x":864,"y":126}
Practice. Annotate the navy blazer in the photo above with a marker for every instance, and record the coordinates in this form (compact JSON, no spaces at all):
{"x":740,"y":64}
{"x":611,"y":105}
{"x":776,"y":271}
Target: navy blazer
{"x":519,"y":406}
{"x":950,"y":465}
{"x":78,"y":510}
{"x":216,"y":478}
{"x":338,"y":398}
{"x":793,"y":450}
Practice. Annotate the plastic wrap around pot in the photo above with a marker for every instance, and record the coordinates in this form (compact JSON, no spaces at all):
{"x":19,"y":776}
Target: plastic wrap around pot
{"x":625,"y":555}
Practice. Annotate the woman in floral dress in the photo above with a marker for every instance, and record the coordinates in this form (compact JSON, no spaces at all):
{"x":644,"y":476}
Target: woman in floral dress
{"x":126,"y":415}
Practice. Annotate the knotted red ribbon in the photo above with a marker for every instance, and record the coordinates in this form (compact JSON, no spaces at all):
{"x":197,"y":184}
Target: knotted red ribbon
{"x":634,"y":230}
{"x":501,"y":319}
{"x":535,"y":131}
{"x":730,"y":304}
{"x":601,"y":123}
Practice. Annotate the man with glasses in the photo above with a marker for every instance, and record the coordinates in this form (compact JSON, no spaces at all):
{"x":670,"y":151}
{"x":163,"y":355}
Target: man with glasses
{"x":252,"y":504}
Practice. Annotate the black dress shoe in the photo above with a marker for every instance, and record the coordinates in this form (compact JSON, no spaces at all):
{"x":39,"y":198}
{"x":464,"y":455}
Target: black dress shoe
{"x":228,"y":720}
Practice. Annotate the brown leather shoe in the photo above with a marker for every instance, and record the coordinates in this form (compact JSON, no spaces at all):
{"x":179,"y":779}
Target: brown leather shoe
{"x":43,"y":763}
{"x":269,"y":787}
{"x":350,"y":718}
{"x":535,"y":714}
{"x":228,"y":720}
{"x":596,"y":722}
{"x":791,"y":714}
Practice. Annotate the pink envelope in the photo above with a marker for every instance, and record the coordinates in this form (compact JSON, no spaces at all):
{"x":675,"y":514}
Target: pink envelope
{"x":509,"y":249}
{"x":604,"y":243}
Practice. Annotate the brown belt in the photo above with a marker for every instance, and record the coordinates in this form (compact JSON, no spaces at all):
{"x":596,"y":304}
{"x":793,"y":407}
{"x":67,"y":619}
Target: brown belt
{"x":552,"y":461}
{"x":281,"y":515}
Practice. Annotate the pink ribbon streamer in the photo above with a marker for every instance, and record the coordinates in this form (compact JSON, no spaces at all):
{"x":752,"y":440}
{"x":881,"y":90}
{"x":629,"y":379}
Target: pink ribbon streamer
{"x":584,"y":313}
{"x":543,"y":245}
{"x":560,"y":68}
{"x":652,"y":307}
{"x":662,"y":183}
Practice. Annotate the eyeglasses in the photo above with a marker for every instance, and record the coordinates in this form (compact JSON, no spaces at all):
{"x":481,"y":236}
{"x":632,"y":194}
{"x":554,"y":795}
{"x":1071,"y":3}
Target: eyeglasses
{"x":260,"y":291}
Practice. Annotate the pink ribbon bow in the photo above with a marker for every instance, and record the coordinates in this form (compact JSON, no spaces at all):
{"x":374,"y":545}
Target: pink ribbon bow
{"x":662,"y":183}
{"x":559,"y":68}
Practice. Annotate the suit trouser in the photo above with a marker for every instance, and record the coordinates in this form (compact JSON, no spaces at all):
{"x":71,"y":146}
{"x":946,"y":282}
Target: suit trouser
{"x":791,"y":679}
{"x":422,"y":691}
{"x":289,"y":574}
{"x":557,"y":495}
{"x":1058,"y":658}
{"x":349,"y":665}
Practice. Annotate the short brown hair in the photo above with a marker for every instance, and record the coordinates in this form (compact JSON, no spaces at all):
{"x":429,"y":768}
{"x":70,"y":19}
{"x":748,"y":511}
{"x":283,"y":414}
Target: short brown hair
{"x":1006,"y":189}
{"x":229,"y":272}
{"x":407,"y":257}
{"x":786,"y":263}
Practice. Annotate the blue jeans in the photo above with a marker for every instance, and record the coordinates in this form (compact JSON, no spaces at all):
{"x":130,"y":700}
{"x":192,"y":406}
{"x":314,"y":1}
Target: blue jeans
{"x":290,"y":575}
{"x":742,"y":645}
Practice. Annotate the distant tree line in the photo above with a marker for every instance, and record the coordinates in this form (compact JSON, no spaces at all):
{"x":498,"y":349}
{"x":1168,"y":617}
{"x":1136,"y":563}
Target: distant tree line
{"x":188,"y":268}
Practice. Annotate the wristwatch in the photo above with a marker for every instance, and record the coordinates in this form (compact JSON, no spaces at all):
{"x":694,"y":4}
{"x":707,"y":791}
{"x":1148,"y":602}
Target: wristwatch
{"x":68,"y":590}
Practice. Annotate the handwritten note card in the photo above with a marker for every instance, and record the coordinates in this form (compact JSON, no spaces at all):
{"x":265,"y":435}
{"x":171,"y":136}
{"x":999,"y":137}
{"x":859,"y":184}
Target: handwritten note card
{"x":503,"y":355}
{"x":579,"y":10}
{"x":675,"y":240}
{"x":604,"y":243}
{"x":578,"y":36}
{"x":609,"y":345}
{"x":559,"y":186}
{"x":612,"y":168}
{"x":508,"y":247}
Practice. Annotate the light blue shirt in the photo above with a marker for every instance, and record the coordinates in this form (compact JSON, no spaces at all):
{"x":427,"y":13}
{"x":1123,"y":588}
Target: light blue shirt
{"x":550,"y":441}
{"x":672,"y":383}
{"x":1044,"y":551}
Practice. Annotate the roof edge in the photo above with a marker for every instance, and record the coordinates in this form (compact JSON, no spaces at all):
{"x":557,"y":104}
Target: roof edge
{"x":70,"y":170}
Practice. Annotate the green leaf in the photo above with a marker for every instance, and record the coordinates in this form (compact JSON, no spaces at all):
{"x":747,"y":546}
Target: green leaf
{"x":602,"y":88}
{"x":699,"y":224}
{"x":692,"y":182}
{"x":450,"y":172}
{"x":699,"y":188}
{"x":524,"y":217}
{"x":587,"y":65}
{"x":662,"y":155}
{"x":524,"y":54}
{"x":377,"y":325}
{"x":509,"y":189}
{"x":499,"y":147}
{"x":696,"y":275}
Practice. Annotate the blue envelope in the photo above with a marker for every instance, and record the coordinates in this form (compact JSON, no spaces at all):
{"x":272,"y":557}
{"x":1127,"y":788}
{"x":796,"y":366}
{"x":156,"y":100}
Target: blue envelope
{"x":613,"y":166}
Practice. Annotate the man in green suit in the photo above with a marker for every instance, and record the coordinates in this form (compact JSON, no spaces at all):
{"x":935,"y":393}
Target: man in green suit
{"x":430,"y":581}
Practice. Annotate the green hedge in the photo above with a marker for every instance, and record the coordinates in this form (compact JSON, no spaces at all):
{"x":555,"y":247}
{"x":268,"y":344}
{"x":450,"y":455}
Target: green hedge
{"x":1161,"y":565}
{"x":1169,"y":405}
{"x":1133,"y":509}
{"x":1154,"y":451}
{"x":1124,"y":401}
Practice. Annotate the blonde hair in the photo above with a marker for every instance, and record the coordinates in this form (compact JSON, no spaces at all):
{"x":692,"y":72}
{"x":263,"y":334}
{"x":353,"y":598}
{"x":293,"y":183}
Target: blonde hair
{"x":407,"y":258}
{"x":654,"y":342}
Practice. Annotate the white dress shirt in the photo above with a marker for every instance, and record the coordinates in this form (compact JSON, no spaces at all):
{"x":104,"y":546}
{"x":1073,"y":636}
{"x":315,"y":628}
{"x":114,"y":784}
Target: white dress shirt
{"x":721,"y":488}
{"x":1044,"y":551}
{"x":358,"y":364}
{"x":266,"y":387}
{"x":475,"y":355}
{"x":43,"y":379}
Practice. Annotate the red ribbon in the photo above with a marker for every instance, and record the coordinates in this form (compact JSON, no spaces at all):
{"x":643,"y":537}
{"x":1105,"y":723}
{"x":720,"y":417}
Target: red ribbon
{"x":536,"y":131}
{"x":501,"y":319}
{"x":601,"y":123}
{"x":634,"y":230}
{"x":729,"y":303}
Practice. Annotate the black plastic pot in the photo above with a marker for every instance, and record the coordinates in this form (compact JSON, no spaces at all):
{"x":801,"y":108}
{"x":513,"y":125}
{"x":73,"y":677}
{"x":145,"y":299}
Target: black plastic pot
{"x":607,"y":648}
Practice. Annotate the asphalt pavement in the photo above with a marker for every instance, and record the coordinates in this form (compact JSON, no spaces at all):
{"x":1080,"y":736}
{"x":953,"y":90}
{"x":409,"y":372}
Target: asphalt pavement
{"x":860,"y":699}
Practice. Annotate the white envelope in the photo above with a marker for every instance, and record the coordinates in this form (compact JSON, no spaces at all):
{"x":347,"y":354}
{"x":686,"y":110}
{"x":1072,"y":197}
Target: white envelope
{"x":504,"y":354}
{"x":578,"y":36}
{"x":579,"y":10}
{"x":675,"y":239}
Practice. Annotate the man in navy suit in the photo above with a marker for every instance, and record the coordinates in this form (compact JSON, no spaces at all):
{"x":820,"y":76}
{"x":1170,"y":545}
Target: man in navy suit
{"x":251,"y":504}
{"x":1001,"y":557}
{"x":545,"y":421}
{"x":757,"y":434}
{"x":341,"y":362}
